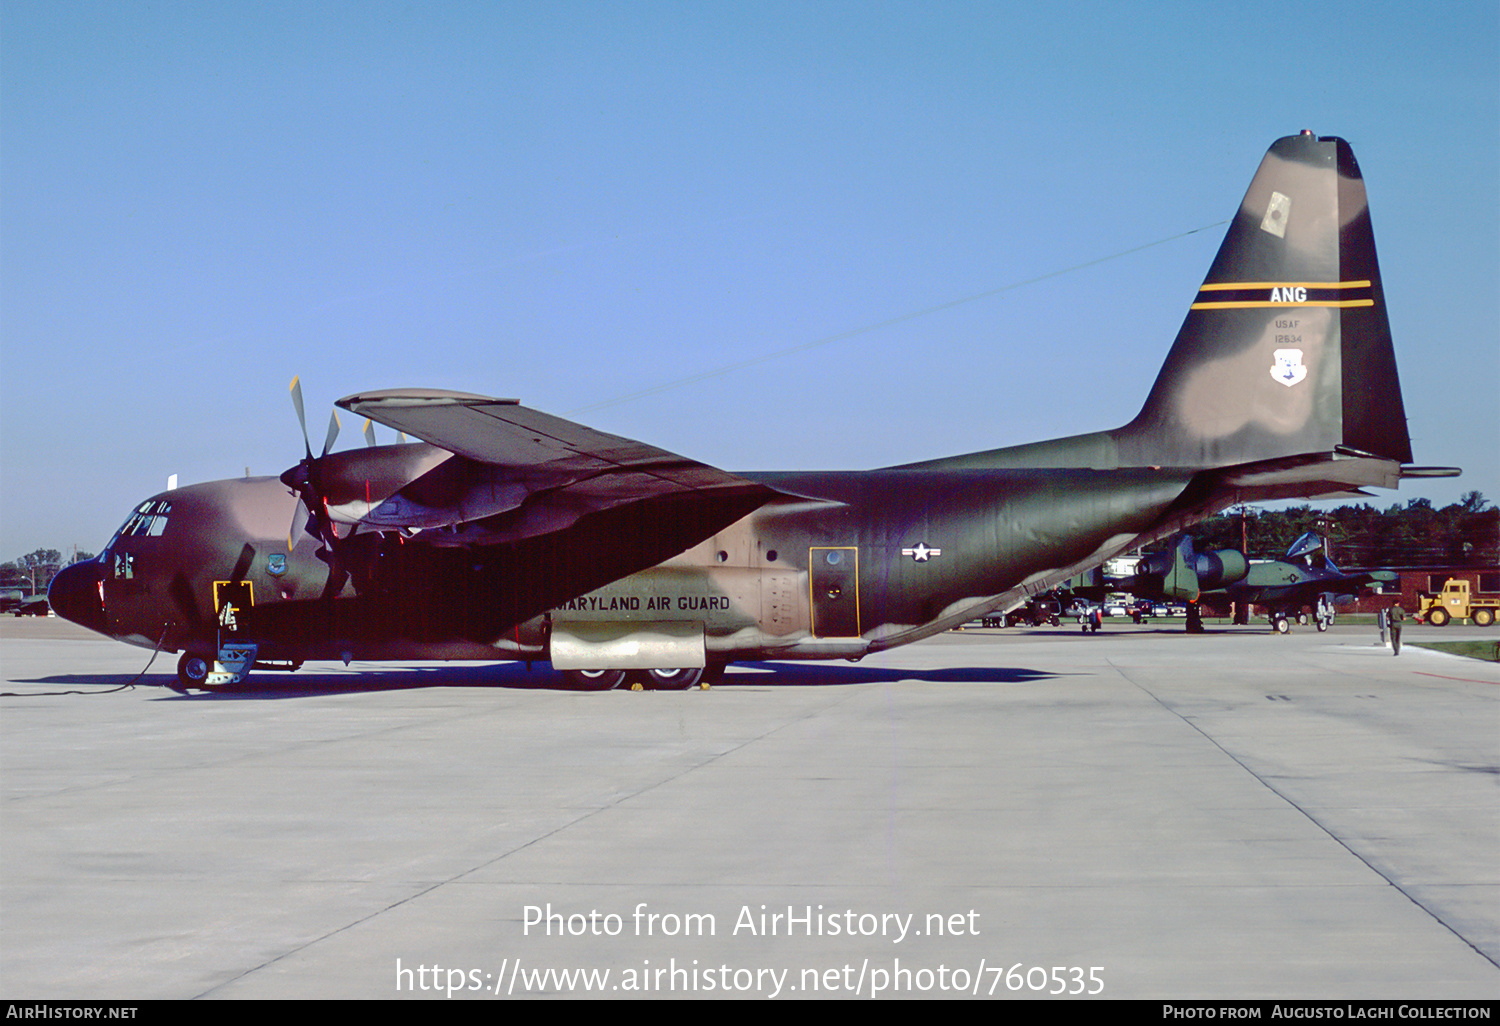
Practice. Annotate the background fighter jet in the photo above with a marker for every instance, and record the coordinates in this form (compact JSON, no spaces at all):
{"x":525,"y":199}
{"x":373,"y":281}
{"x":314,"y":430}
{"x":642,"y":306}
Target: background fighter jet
{"x":1304,"y":578}
{"x":512,"y":534}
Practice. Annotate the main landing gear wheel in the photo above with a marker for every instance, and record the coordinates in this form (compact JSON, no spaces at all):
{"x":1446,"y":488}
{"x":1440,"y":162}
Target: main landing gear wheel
{"x":674,"y":680}
{"x":1439,"y":617}
{"x":1281,"y":625}
{"x":594,"y":680}
{"x":192,"y":671}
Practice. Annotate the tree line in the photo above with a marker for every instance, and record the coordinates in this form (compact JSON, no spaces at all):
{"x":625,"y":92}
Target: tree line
{"x":35,"y":570}
{"x":1465,"y":534}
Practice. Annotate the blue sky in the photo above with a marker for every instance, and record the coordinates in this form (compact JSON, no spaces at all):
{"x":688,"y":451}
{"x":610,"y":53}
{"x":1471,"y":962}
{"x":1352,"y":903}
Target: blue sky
{"x":569,"y":203}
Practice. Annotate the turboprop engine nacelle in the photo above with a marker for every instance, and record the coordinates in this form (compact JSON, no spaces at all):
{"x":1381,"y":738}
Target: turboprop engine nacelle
{"x":1184,"y":574}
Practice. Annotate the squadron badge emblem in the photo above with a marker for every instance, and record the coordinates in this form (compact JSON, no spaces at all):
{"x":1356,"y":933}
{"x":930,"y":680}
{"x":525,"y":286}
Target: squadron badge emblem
{"x":1288,"y":368}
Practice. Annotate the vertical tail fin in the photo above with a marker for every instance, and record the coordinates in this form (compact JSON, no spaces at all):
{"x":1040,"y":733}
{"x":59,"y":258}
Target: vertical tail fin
{"x":1287,"y":349}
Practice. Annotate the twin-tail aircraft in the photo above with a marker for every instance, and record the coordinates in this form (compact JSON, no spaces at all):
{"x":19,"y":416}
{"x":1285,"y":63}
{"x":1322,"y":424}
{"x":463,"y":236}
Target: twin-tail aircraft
{"x":510,"y":534}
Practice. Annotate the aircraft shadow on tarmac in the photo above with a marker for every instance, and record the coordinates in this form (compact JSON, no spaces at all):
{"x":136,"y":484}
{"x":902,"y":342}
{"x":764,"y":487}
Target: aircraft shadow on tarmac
{"x":514,"y":675}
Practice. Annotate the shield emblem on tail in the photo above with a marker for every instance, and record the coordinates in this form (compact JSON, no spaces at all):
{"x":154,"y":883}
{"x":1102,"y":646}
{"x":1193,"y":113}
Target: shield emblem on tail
{"x":1288,"y":367}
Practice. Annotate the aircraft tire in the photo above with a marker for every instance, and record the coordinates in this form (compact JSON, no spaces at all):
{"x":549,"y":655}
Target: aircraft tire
{"x":1483,"y":617}
{"x":1322,"y":624}
{"x":594,"y":680}
{"x":1281,"y":625}
{"x":674,"y":680}
{"x":192,"y":670}
{"x":1302,"y":619}
{"x":1439,"y":617}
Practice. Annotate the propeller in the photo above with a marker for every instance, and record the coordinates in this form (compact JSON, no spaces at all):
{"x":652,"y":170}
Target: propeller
{"x":333,"y":420}
{"x":306,"y":480}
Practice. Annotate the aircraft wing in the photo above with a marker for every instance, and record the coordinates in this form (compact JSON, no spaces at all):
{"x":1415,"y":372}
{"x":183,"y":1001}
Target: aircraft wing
{"x":1289,"y":582}
{"x":544,"y":472}
{"x":502,"y":431}
{"x":1353,"y":584}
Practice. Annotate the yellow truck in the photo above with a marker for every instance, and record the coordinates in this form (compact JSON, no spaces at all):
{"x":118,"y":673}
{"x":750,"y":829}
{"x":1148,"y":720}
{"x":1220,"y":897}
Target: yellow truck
{"x":1455,"y":603}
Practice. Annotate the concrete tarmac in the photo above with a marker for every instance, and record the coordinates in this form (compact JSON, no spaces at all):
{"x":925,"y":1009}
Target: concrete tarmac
{"x":1140,"y":813}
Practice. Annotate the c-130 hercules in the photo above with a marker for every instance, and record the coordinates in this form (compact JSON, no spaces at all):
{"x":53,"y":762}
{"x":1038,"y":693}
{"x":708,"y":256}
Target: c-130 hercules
{"x":508,"y":533}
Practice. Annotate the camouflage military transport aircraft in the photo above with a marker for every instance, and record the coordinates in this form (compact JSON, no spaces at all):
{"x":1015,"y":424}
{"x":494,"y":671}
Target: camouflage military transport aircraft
{"x":507,"y":533}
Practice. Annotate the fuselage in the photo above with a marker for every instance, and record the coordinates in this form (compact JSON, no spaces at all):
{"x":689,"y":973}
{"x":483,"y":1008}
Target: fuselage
{"x":839,"y":565}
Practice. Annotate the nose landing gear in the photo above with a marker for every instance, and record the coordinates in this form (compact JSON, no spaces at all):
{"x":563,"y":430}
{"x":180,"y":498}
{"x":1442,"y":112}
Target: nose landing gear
{"x":192,"y":671}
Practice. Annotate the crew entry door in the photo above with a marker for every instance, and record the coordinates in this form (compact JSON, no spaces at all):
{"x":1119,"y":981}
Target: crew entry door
{"x":833,"y":576}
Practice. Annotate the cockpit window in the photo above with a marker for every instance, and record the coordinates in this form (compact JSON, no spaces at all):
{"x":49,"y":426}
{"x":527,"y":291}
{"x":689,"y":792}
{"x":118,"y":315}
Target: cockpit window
{"x":148,"y":520}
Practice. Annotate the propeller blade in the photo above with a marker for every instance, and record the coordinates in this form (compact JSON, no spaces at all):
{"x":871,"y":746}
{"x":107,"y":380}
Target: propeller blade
{"x":333,"y":431}
{"x":369,"y":433}
{"x":310,"y":517}
{"x":296,"y":390}
{"x":295,"y":532}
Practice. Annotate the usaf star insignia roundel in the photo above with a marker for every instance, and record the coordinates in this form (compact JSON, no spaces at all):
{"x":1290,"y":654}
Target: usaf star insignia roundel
{"x":921,"y":552}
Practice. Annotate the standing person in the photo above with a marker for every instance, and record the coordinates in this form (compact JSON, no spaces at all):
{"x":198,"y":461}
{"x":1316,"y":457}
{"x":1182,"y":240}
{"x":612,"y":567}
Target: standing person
{"x":1397,"y":616}
{"x":1194,"y":618}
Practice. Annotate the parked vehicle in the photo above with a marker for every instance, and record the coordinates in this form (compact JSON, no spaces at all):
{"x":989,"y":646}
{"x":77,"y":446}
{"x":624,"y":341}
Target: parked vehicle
{"x":1455,"y":603}
{"x":35,"y":605}
{"x":1040,"y":611}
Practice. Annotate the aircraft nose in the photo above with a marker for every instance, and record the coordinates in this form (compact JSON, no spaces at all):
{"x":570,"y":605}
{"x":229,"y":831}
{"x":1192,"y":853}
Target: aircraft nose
{"x":75,"y":595}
